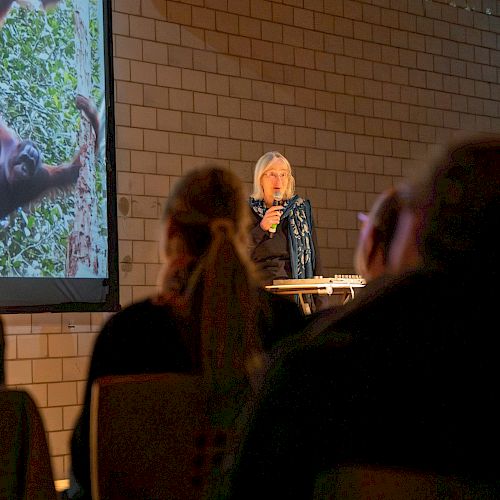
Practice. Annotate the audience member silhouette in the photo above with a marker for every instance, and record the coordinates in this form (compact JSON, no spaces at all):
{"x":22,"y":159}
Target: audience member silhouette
{"x":2,"y":350}
{"x":407,"y":375}
{"x":376,"y":234}
{"x":210,"y":318}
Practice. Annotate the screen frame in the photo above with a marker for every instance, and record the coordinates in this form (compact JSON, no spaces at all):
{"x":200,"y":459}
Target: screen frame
{"x":109,"y":286}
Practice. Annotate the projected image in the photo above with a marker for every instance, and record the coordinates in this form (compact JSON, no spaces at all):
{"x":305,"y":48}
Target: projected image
{"x":53,"y":183}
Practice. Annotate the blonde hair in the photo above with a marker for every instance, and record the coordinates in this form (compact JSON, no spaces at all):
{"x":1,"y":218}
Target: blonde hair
{"x":261,"y":166}
{"x":208,"y":220}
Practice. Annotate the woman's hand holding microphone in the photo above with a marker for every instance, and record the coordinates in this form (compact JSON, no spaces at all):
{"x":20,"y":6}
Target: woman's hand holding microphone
{"x":271,"y":217}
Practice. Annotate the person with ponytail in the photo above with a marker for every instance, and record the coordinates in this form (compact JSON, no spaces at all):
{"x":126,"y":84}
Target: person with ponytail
{"x":210,"y":316}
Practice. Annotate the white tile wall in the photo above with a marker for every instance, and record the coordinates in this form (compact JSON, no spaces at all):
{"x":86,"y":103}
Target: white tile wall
{"x":355,"y":93}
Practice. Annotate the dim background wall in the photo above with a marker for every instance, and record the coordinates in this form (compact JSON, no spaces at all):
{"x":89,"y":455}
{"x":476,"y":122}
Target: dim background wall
{"x":355,"y":93}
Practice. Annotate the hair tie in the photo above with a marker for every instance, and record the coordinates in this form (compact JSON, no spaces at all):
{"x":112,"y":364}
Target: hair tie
{"x":222,"y":225}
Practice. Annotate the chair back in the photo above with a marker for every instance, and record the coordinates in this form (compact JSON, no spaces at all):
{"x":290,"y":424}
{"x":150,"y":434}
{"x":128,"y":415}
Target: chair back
{"x":151,"y":437}
{"x":365,"y":482}
{"x":25,"y":468}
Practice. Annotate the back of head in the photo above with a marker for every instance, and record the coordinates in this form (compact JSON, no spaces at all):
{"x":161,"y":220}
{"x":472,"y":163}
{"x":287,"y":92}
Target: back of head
{"x":207,"y":215}
{"x":203,"y":197}
{"x":460,"y":208}
{"x":377,"y":234}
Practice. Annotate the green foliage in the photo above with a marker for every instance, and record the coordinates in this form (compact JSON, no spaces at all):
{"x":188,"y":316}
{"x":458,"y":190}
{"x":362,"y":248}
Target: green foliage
{"x":38,"y":81}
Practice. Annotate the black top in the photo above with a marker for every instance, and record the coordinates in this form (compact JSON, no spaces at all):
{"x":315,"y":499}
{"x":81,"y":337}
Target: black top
{"x":406,"y":375}
{"x":272,"y":255}
{"x":148,"y":338}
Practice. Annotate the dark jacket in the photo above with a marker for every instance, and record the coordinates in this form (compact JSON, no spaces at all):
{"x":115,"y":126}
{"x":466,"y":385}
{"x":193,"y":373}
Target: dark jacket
{"x":148,"y":338}
{"x":406,"y":375}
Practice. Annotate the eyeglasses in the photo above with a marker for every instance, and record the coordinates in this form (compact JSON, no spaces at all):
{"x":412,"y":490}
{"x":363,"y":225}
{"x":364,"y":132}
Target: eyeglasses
{"x":273,"y":174}
{"x":362,"y":217}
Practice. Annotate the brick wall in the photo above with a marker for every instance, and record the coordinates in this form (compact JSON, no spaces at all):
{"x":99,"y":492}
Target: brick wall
{"x":355,"y":93}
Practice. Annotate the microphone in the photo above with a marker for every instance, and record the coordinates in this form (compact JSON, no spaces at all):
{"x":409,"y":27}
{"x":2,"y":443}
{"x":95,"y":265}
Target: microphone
{"x":278,"y":195}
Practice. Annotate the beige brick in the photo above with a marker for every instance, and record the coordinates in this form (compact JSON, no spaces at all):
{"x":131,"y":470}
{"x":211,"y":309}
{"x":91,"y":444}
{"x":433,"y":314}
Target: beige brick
{"x":240,"y":87}
{"x":145,"y":251}
{"x":129,"y":138}
{"x":228,"y":106}
{"x":180,"y":143}
{"x":59,"y":442}
{"x":382,"y":146}
{"x":284,"y":134}
{"x":363,"y":144}
{"x":120,"y":24}
{"x":154,"y":52}
{"x":374,"y":164}
{"x":31,"y":346}
{"x":226,"y":22}
{"x":392,"y":129}
{"x":63,"y":345}
{"x":203,"y":18}
{"x":121,"y":69}
{"x":354,"y":162}
{"x":122,"y":114}
{"x":61,"y":393}
{"x":152,"y":274}
{"x":205,"y":146}
{"x":274,"y":113}
{"x":128,"y":92}
{"x":260,"y":9}
{"x":392,"y":166}
{"x":217,"y":42}
{"x":128,"y":48}
{"x":154,"y":8}
{"x":145,"y":207}
{"x":205,"y":103}
{"x":324,"y":139}
{"x":335,"y":121}
{"x":295,"y":116}
{"x":181,"y":57}
{"x":132,"y":274}
{"x":167,"y":32}
{"x":130,"y":183}
{"x":18,"y":372}
{"x":273,"y":72}
{"x":52,"y":419}
{"x":140,"y":27}
{"x":217,"y":126}
{"x":181,"y":100}
{"x":179,"y":13}
{"x":217,"y":84}
{"x":192,"y":37}
{"x":240,"y":129}
{"x":75,"y":368}
{"x":251,"y":110}
{"x":10,"y":351}
{"x":142,"y":117}
{"x":143,"y":161}
{"x":169,"y":120}
{"x":70,"y":415}
{"x":156,"y":185}
{"x":127,"y":6}
{"x":46,"y":323}
{"x":356,"y":201}
{"x":86,"y":343}
{"x":47,"y":370}
{"x":193,"y":123}
{"x":305,"y":137}
{"x":229,"y":149}
{"x":168,"y":164}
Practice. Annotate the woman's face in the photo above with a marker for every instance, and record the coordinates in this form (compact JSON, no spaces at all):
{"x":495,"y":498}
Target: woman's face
{"x":274,"y":178}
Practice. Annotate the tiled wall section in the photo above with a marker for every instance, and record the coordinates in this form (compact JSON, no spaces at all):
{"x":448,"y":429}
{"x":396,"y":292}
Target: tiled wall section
{"x":355,"y":93}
